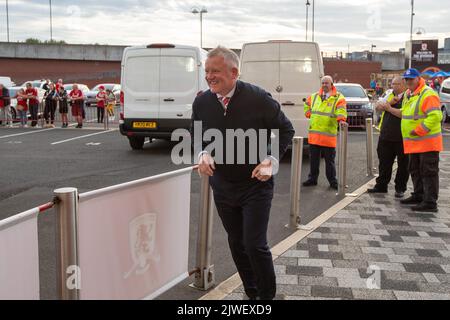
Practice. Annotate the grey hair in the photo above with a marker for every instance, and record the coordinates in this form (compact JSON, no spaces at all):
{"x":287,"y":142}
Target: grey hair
{"x":328,"y":78}
{"x":230,"y":57}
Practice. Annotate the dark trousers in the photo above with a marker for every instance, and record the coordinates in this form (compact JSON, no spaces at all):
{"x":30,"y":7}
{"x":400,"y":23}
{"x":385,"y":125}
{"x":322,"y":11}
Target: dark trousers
{"x":49,"y":111}
{"x":244,"y":209}
{"x":424,"y":169}
{"x":34,"y":114}
{"x":100,"y":114}
{"x":329,"y":154}
{"x":387,"y":152}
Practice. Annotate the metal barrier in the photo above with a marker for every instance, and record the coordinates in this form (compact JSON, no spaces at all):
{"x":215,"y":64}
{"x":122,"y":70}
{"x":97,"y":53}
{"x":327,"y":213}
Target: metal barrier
{"x":296,"y":174}
{"x":90,"y":116}
{"x":204,"y":272}
{"x":369,"y":146}
{"x":67,"y":238}
{"x":67,"y":243}
{"x":342,"y":171}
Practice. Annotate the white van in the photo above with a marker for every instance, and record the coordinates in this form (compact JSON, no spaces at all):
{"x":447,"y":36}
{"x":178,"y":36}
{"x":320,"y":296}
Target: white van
{"x":289,"y":70}
{"x":444,"y":95}
{"x":159,"y":83}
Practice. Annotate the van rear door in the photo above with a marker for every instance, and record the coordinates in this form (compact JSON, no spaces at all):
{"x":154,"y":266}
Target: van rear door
{"x":300,"y":74}
{"x":260,"y":66}
{"x":179,"y":74}
{"x":141,"y":83}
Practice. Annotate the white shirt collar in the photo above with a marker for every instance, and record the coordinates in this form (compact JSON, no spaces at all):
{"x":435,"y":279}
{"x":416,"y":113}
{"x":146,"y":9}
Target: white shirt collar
{"x":229,"y":94}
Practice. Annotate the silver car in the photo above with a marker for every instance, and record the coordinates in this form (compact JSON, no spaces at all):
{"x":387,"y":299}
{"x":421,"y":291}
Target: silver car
{"x":359,"y":106}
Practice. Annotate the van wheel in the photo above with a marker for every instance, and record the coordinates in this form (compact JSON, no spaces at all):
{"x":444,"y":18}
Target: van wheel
{"x":136,"y":143}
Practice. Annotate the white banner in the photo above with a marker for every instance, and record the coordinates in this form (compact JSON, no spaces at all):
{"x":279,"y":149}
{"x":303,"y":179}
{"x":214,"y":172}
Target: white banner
{"x":19,"y":257}
{"x":134,"y":238}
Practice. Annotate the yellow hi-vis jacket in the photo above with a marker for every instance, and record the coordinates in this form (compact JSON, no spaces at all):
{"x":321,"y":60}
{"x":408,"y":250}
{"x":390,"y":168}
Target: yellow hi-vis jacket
{"x":421,"y":114}
{"x":324,"y":116}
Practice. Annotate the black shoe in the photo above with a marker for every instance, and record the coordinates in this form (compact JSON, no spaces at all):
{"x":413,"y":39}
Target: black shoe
{"x":376,"y":190}
{"x":411,"y":200}
{"x":399,"y":194}
{"x":334,"y":185}
{"x":426,"y":207}
{"x":309,"y":183}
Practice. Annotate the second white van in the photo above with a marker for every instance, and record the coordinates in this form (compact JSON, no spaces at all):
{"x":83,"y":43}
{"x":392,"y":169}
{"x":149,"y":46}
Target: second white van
{"x":289,"y":70}
{"x":159,"y":83}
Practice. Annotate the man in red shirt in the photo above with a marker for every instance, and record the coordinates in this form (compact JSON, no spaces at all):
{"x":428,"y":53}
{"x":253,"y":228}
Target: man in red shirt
{"x":33,"y":103}
{"x":76,"y":96}
{"x":101,"y":99}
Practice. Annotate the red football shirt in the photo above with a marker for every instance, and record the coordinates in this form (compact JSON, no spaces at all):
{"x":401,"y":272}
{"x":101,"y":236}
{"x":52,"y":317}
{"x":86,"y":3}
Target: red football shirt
{"x":33,"y":92}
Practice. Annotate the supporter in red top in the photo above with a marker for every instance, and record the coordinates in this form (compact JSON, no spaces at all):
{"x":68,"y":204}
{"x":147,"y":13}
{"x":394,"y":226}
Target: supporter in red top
{"x":33,"y":103}
{"x":22,"y":107}
{"x":76,"y":96}
{"x":59,"y":84}
{"x":101,"y":99}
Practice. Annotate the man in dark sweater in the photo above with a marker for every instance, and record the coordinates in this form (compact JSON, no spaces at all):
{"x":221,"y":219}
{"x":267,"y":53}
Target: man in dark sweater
{"x":390,"y":145}
{"x":243,"y":190}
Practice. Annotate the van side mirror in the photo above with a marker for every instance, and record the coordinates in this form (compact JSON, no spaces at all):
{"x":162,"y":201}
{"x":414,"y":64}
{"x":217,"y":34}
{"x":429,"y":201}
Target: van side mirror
{"x":370,"y":96}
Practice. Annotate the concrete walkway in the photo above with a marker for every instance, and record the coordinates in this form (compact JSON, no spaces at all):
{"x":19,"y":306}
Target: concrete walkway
{"x":374,"y":248}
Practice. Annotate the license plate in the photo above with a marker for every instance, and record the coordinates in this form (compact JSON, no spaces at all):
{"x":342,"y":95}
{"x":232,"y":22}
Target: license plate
{"x":144,"y":125}
{"x":352,"y":114}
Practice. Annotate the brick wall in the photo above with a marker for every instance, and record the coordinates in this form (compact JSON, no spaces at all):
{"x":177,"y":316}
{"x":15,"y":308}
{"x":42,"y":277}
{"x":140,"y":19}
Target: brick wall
{"x":351,"y":71}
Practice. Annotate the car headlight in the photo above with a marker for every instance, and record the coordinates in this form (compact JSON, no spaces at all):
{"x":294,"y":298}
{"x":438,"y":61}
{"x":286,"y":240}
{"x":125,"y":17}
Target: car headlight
{"x":367,"y":106}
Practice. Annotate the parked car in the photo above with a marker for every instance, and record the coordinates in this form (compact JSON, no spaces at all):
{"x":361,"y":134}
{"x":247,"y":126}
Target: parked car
{"x":6,"y":82}
{"x":359,"y":106}
{"x":92,"y":94}
{"x":444,"y":95}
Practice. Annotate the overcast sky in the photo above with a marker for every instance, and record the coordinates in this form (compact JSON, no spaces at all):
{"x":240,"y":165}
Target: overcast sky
{"x":338,"y":23}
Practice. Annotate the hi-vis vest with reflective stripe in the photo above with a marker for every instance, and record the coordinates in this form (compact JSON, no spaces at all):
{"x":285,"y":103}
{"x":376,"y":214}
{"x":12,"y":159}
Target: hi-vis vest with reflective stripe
{"x":421,"y":112}
{"x":324,"y":116}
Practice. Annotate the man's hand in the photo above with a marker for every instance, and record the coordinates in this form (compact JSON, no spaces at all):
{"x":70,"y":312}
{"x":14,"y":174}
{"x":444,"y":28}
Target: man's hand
{"x":394,"y":100}
{"x":414,"y":133}
{"x":206,"y":165}
{"x":345,"y":124}
{"x":263,"y":171}
{"x":382,"y":106}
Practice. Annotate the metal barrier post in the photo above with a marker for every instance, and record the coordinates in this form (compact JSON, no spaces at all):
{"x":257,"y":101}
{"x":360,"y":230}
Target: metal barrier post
{"x":342,"y":179}
{"x":204,"y":278}
{"x":68,"y":272}
{"x":369,"y":147}
{"x":105,"y":118}
{"x":296,"y":174}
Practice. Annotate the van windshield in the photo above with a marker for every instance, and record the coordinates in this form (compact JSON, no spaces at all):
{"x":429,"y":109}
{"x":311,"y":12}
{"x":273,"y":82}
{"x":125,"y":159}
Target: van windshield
{"x":351,"y":91}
